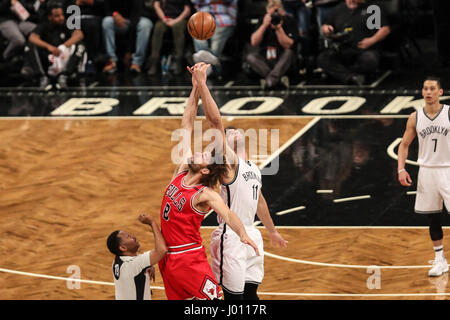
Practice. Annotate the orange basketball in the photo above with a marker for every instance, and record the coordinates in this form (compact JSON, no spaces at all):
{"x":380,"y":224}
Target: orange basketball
{"x":201,"y":25}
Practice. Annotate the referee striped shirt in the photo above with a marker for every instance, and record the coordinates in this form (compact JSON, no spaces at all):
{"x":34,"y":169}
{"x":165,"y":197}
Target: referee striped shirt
{"x":130,"y":278}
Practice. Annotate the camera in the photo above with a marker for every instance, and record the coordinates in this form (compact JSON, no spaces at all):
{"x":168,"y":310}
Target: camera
{"x":340,"y":40}
{"x":276,"y":18}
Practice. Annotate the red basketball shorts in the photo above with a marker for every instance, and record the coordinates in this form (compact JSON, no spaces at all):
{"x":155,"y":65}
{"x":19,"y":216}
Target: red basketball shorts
{"x":188,"y":275}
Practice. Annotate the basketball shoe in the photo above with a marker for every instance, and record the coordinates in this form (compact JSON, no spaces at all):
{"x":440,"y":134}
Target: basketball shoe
{"x":439,"y":267}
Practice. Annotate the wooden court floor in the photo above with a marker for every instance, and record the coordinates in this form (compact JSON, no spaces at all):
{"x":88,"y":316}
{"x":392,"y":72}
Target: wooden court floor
{"x":67,"y":183}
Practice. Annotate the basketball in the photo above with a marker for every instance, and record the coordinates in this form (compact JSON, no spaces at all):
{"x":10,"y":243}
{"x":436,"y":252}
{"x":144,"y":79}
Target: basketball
{"x":201,"y":25}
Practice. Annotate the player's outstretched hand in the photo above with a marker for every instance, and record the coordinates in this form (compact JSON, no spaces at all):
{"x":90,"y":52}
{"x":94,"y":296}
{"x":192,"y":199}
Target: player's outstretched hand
{"x":146,"y":219}
{"x":199,"y":72}
{"x":277,"y":239}
{"x":191,"y":71}
{"x":245,"y":239}
{"x":404,"y":179}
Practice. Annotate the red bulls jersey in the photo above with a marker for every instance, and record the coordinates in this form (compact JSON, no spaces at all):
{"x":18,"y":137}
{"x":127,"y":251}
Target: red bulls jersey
{"x":180,"y":220}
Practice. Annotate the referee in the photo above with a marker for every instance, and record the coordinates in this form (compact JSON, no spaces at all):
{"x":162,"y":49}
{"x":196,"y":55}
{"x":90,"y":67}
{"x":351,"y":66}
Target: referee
{"x":131,"y":271}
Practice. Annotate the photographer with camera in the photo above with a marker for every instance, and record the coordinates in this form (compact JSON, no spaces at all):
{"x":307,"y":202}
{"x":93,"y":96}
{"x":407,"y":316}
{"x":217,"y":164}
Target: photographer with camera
{"x":353,"y":51}
{"x":275,"y":38}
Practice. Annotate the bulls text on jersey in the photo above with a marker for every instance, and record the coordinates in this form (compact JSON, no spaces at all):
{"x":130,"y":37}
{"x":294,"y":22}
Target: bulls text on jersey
{"x":174,"y":194}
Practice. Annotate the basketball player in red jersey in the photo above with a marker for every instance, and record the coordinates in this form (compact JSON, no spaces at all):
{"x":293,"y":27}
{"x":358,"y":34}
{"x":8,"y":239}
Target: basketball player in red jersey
{"x":188,"y":198}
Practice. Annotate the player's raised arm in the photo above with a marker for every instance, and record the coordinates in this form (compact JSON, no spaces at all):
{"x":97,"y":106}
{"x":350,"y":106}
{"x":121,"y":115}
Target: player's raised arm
{"x":264,"y":215}
{"x":187,"y":125}
{"x":211,"y":199}
{"x":408,"y":137}
{"x":212,"y":111}
{"x":160,"y":244}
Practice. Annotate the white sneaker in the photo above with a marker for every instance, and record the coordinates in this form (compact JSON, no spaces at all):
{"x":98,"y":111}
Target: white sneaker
{"x":439,"y":267}
{"x":205,"y":56}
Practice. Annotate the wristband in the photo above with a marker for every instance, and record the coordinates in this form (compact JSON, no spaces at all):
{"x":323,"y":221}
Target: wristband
{"x":401,"y":170}
{"x":114,"y":13}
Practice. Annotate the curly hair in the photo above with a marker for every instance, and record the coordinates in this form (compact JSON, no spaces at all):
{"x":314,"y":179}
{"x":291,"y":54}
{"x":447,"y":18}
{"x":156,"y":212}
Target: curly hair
{"x":216,"y":171}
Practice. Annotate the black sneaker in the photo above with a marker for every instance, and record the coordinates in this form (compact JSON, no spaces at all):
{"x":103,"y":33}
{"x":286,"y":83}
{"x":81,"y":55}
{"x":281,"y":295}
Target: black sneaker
{"x":154,"y":66}
{"x":44,"y":83}
{"x":359,"y":80}
{"x":62,"y":82}
{"x":285,"y":81}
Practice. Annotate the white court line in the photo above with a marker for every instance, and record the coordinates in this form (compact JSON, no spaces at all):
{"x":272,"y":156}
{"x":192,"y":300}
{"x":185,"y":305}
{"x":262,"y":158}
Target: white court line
{"x":354,"y":294}
{"x":378,"y":81}
{"x":209,"y":212}
{"x":294,"y":138}
{"x":324,"y":191}
{"x":280,"y":213}
{"x":335,"y":265}
{"x":409,"y":193}
{"x":341,"y":227}
{"x":393,"y":155}
{"x":37,"y":275}
{"x":260,"y":293}
{"x":351,"y":198}
{"x":138,"y":117}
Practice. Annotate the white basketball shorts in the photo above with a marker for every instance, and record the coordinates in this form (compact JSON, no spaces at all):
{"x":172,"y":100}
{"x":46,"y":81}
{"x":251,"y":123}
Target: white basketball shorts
{"x":433,"y":189}
{"x":234,"y":263}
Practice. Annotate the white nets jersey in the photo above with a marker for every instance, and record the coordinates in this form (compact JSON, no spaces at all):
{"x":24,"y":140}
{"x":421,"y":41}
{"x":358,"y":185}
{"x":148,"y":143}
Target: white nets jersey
{"x":233,"y":262}
{"x":434,"y":138}
{"x":242,"y":194}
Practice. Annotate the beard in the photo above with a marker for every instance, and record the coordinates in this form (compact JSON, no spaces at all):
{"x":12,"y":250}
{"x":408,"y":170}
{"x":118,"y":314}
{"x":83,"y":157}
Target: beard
{"x":194,"y":167}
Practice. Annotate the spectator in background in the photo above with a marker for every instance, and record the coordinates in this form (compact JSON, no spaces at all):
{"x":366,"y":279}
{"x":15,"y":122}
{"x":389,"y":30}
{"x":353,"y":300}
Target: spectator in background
{"x":276,"y":38}
{"x":14,"y":26}
{"x":91,"y":20}
{"x":173,"y":15}
{"x":441,"y":31}
{"x":225,"y":13}
{"x":355,"y":52}
{"x":54,"y":49}
{"x":324,"y":7}
{"x":125,"y":16}
{"x":297,"y":9}
{"x":302,"y":13}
